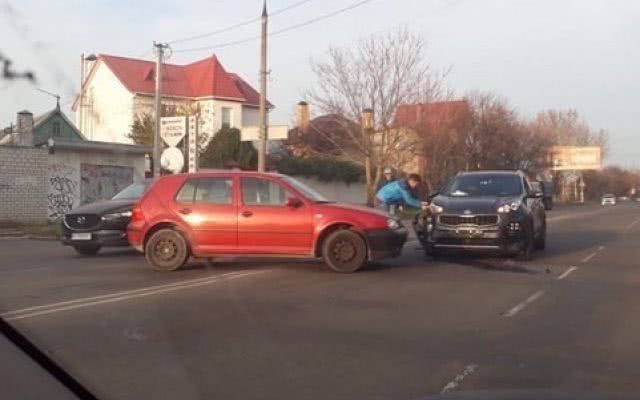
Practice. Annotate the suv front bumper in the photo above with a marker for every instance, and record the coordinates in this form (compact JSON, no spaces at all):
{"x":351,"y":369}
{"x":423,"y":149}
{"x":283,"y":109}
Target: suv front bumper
{"x":104,"y":238}
{"x":498,"y":238}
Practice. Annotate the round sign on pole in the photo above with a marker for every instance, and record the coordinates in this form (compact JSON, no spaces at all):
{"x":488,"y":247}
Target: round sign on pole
{"x":172,"y":160}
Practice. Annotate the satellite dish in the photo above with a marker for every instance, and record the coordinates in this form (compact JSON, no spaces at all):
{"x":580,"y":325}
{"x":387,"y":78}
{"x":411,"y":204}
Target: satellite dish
{"x":172,"y":160}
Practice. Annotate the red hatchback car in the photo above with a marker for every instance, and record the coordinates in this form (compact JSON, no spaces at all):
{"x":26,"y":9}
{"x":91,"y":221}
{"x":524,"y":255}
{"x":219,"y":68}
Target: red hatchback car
{"x":209,"y":214}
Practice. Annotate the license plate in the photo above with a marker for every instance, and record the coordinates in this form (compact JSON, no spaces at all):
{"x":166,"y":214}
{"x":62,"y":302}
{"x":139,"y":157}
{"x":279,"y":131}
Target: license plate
{"x":81,"y":236}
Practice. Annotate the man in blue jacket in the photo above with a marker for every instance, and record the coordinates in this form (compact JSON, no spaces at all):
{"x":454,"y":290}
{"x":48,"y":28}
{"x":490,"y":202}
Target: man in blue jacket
{"x":397,"y":193}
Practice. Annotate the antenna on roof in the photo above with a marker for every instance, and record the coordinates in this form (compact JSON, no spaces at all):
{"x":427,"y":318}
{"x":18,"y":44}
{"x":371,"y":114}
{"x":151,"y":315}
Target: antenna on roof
{"x":57,"y":96}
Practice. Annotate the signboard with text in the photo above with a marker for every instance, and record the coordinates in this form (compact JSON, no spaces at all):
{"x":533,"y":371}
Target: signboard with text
{"x":173,"y":129}
{"x":575,"y":158}
{"x":275,"y":132}
{"x":192,"y":149}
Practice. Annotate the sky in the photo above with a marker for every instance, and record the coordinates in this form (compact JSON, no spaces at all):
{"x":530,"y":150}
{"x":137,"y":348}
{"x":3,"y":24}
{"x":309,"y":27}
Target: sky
{"x":538,"y":54}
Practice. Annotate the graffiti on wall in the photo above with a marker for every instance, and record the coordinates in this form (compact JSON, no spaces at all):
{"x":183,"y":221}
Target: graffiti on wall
{"x":62,"y":190}
{"x":101,"y":182}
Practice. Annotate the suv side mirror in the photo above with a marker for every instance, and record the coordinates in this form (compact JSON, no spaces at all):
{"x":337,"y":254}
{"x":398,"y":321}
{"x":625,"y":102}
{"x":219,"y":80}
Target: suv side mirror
{"x":293,"y":202}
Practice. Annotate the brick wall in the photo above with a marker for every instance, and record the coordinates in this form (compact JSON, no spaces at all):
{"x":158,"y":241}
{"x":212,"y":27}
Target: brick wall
{"x":23,"y":189}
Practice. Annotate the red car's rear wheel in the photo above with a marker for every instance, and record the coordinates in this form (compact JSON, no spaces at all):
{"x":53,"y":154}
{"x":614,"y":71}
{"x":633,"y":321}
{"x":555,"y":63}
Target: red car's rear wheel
{"x":166,"y":250}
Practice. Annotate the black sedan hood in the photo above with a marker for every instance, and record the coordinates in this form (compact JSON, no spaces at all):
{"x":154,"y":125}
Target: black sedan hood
{"x":104,"y":206}
{"x":471,"y":205}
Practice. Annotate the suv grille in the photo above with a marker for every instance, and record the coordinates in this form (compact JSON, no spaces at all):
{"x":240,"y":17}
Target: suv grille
{"x":82,"y":221}
{"x":481,"y":220}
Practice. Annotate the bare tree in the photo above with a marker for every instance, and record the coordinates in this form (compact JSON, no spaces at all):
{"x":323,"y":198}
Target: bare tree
{"x":380,"y":73}
{"x":500,"y":138}
{"x":568,"y":128}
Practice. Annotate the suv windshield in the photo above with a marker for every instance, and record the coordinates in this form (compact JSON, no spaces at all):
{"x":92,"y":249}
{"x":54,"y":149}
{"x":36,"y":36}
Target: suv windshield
{"x":484,"y":185}
{"x":306,"y":190}
{"x":133,"y":191}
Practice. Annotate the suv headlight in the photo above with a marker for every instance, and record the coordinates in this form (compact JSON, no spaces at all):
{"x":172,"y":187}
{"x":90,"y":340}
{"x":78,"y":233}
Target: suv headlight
{"x":393,"y":224}
{"x":117,"y":215}
{"x":436,"y":209}
{"x":507,"y":208}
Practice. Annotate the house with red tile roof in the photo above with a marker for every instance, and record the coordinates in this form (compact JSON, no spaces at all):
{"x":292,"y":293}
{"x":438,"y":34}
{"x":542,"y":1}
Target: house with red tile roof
{"x":118,"y":89}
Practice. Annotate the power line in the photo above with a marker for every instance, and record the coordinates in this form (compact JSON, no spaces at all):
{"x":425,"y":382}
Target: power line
{"x":279,"y":31}
{"x":238,"y":25}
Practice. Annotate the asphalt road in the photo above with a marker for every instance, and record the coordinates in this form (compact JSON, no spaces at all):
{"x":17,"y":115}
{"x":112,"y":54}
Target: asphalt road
{"x":403,"y":329}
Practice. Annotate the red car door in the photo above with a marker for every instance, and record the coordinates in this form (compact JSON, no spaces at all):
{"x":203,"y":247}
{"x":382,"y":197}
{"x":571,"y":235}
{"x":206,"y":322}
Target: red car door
{"x":209,"y":207}
{"x":267,"y":224}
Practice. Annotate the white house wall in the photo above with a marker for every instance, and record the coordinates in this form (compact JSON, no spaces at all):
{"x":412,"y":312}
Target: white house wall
{"x":108,"y":108}
{"x":250,"y":116}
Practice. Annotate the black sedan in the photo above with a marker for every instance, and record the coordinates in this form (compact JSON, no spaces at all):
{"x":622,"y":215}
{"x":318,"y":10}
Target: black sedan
{"x":484,"y":210}
{"x":92,"y":226}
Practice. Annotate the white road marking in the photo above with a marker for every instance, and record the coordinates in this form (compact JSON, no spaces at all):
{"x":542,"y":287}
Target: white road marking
{"x":589,"y":257}
{"x":567,"y":272}
{"x":522,"y":305}
{"x":631,"y":225}
{"x":116,"y":297}
{"x":600,"y":248}
{"x":468,"y":370}
{"x":116,"y":294}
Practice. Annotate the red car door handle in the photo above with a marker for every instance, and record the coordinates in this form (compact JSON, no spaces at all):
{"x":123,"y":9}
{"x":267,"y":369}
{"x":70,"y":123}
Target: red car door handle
{"x":185,"y":211}
{"x":247,"y":214}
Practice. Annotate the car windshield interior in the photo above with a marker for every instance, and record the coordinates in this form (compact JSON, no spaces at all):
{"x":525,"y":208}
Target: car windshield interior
{"x":484,"y":185}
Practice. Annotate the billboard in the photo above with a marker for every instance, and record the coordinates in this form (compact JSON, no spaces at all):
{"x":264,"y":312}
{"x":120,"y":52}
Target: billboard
{"x":275,"y":132}
{"x":571,"y":158}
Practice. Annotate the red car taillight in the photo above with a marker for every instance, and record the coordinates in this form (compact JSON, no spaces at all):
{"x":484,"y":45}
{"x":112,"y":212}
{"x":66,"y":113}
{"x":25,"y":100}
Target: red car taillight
{"x":137,"y":214}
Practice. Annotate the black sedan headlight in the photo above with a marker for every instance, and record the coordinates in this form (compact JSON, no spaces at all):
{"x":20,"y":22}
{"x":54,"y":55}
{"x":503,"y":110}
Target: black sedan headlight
{"x":116,"y":215}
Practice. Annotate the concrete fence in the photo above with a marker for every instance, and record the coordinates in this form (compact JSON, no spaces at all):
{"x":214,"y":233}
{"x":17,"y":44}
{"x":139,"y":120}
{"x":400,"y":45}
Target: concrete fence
{"x":338,"y":191}
{"x":37,"y":185}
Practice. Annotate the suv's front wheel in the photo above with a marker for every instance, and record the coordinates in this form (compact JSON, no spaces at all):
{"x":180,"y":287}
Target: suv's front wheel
{"x":527,"y":244}
{"x":344,"y":251}
{"x":166,"y":250}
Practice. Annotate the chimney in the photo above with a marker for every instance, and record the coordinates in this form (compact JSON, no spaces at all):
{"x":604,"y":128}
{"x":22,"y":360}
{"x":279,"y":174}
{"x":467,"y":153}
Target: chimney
{"x":24,"y":128}
{"x":302,"y":117}
{"x":24,"y":123}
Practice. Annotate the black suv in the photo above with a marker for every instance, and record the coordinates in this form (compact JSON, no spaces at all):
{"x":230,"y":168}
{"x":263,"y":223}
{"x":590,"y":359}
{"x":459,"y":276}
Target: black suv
{"x":484,"y":210}
{"x":104,"y":223}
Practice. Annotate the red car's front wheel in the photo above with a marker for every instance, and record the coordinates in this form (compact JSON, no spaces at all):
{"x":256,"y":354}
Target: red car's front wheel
{"x":344,"y":251}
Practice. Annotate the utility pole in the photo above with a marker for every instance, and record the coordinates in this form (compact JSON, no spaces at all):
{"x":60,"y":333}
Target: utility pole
{"x":262,"y":148}
{"x":81,"y":107}
{"x":157,"y":143}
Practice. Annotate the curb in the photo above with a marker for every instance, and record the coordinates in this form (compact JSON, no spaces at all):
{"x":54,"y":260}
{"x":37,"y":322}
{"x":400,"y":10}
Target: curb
{"x":42,"y":238}
{"x":12,"y":237}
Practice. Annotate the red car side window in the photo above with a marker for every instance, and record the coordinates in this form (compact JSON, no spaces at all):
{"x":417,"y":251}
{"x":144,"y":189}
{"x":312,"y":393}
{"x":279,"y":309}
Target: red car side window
{"x":263,"y":192}
{"x":187,"y":193}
